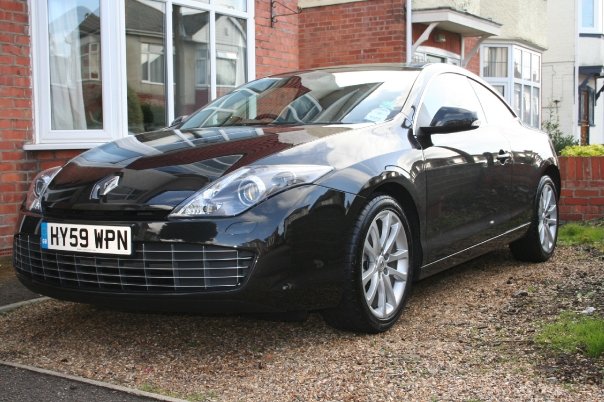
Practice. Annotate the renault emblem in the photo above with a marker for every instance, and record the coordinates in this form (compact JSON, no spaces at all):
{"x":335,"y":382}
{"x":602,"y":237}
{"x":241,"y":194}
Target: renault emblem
{"x":103,"y":187}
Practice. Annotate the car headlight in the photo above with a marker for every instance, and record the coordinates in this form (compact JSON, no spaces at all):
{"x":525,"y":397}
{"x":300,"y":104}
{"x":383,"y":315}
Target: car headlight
{"x":245,"y":187}
{"x":38,"y":187}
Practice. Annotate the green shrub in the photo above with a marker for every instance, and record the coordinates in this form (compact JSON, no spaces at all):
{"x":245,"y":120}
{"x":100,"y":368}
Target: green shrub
{"x":584,"y":150}
{"x":559,"y":139}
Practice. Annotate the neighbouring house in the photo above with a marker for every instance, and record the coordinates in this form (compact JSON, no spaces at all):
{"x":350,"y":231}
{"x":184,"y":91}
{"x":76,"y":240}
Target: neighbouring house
{"x":573,"y":69}
{"x":78,"y":73}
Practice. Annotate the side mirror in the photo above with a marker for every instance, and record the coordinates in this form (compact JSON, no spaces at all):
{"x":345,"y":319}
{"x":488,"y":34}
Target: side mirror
{"x":177,"y":121}
{"x":452,"y":120}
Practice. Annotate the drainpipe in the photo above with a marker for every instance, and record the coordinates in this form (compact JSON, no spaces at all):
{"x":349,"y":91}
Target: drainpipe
{"x":575,"y":126}
{"x":409,"y":32}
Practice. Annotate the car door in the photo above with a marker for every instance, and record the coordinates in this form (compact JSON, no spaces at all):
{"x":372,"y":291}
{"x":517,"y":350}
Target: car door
{"x":516,"y":197}
{"x":467,"y":166}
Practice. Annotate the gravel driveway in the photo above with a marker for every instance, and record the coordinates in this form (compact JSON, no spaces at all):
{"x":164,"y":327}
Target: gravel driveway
{"x":466,"y":334}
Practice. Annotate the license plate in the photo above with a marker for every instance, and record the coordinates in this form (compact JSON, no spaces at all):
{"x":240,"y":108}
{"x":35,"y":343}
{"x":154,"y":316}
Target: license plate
{"x":87,"y":238}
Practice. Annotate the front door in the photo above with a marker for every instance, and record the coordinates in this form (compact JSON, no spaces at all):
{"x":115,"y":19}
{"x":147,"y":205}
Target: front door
{"x":467,"y":172}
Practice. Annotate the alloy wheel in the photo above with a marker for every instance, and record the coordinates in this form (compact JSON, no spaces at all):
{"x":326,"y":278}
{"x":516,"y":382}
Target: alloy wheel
{"x":548,"y":218}
{"x":385,"y":264}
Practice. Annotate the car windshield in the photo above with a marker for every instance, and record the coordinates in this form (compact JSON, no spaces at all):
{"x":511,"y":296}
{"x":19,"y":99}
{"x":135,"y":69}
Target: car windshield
{"x":315,"y":97}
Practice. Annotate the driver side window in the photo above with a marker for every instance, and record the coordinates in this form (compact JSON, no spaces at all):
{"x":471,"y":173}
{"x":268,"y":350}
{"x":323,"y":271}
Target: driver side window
{"x":447,"y":92}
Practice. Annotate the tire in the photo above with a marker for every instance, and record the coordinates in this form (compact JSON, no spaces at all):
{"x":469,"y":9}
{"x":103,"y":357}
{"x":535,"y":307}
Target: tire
{"x":539,"y":243}
{"x":378,"y":268}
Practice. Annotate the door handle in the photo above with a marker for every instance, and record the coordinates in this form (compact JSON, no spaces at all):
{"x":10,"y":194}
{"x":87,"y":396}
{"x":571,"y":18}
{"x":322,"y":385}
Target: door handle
{"x":503,"y":156}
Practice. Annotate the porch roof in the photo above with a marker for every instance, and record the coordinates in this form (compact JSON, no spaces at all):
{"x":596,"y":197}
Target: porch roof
{"x":456,"y":21}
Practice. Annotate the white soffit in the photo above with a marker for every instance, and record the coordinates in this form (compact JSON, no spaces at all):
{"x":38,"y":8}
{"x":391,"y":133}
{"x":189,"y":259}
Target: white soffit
{"x":460,"y":22}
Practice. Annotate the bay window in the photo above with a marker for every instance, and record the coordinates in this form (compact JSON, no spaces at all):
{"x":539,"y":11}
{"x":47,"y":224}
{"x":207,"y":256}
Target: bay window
{"x":104,"y":69}
{"x":515,"y":72}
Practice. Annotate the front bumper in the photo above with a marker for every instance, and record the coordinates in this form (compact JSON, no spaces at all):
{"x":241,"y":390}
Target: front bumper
{"x":282,"y":255}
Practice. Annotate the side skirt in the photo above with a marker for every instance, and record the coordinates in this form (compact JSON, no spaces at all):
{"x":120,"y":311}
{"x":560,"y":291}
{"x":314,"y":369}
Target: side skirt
{"x":472,"y":252}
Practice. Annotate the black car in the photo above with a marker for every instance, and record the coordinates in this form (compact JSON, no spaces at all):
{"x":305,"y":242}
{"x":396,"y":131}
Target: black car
{"x":330,"y":189}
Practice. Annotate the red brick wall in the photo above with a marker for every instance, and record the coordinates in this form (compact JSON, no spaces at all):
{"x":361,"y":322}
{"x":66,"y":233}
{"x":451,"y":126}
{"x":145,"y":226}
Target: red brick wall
{"x":277,"y":46}
{"x":452,"y":41}
{"x":16,"y":117}
{"x":582,"y":195}
{"x":353,"y":33}
{"x":474,"y":64}
{"x":17,"y":167}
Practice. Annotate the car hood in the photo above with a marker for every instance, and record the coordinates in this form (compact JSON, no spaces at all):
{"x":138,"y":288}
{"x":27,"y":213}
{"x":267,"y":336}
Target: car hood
{"x":159,"y":170}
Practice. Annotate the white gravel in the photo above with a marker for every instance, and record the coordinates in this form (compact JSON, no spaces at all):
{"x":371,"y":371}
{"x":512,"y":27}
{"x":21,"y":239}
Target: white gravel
{"x":465,"y":335}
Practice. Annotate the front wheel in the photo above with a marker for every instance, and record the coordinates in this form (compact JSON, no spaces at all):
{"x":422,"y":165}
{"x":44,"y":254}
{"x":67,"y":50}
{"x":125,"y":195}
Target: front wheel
{"x":539,"y":242}
{"x":377,"y":269}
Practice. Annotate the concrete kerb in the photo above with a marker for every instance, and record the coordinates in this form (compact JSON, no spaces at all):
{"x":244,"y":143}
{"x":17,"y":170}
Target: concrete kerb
{"x":14,"y":306}
{"x":113,"y":387}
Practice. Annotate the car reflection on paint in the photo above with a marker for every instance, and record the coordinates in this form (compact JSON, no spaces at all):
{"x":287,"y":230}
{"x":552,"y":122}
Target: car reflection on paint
{"x":325,"y":190}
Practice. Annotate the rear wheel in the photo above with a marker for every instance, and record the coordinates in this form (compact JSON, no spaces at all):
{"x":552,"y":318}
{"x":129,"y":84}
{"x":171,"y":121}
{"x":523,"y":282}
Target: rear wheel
{"x":540,"y":241}
{"x":377,"y":269}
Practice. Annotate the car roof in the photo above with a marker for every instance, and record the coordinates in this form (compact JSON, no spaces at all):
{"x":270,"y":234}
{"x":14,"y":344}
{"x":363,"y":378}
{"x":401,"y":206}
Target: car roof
{"x":432,"y":67}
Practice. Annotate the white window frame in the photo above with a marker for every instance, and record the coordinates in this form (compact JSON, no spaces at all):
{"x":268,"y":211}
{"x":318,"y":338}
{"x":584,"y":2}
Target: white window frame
{"x":509,"y":81}
{"x":597,"y":28}
{"x":449,"y":57}
{"x":113,"y":71}
{"x":45,"y":136}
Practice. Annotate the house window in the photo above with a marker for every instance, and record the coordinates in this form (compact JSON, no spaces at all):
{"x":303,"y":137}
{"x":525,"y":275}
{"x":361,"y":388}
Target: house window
{"x":231,"y":50}
{"x":515,"y":72}
{"x":500,"y":89}
{"x":495,"y":64}
{"x":145,"y":64}
{"x":239,"y":5}
{"x":590,"y":15}
{"x":428,"y":54}
{"x":103,"y":68}
{"x":73,"y":33}
{"x":192,"y":59}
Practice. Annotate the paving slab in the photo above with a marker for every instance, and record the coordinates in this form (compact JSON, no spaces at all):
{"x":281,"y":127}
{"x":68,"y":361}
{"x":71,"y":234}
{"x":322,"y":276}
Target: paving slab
{"x":21,"y":383}
{"x":11,"y":290}
{"x":24,"y":384}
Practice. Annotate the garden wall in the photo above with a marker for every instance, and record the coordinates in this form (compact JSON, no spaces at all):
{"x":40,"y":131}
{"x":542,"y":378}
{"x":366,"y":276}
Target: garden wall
{"x":582,"y":197}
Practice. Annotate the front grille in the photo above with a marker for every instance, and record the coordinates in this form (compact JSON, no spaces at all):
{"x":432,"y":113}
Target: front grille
{"x":153,"y":267}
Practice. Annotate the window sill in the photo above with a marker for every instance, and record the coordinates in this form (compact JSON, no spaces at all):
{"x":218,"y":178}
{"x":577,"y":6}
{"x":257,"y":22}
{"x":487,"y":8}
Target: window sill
{"x":598,"y":35}
{"x":61,"y":146}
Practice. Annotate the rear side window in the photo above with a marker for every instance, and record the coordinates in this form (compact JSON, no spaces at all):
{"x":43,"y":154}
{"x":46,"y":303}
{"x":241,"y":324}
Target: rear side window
{"x":495,"y":110}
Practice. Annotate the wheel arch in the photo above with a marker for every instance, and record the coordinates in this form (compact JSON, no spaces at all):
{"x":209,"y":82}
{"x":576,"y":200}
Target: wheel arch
{"x":406,"y":201}
{"x":553,"y":172}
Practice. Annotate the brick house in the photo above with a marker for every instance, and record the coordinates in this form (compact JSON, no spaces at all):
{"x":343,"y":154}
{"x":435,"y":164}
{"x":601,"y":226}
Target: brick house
{"x":73,"y":76}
